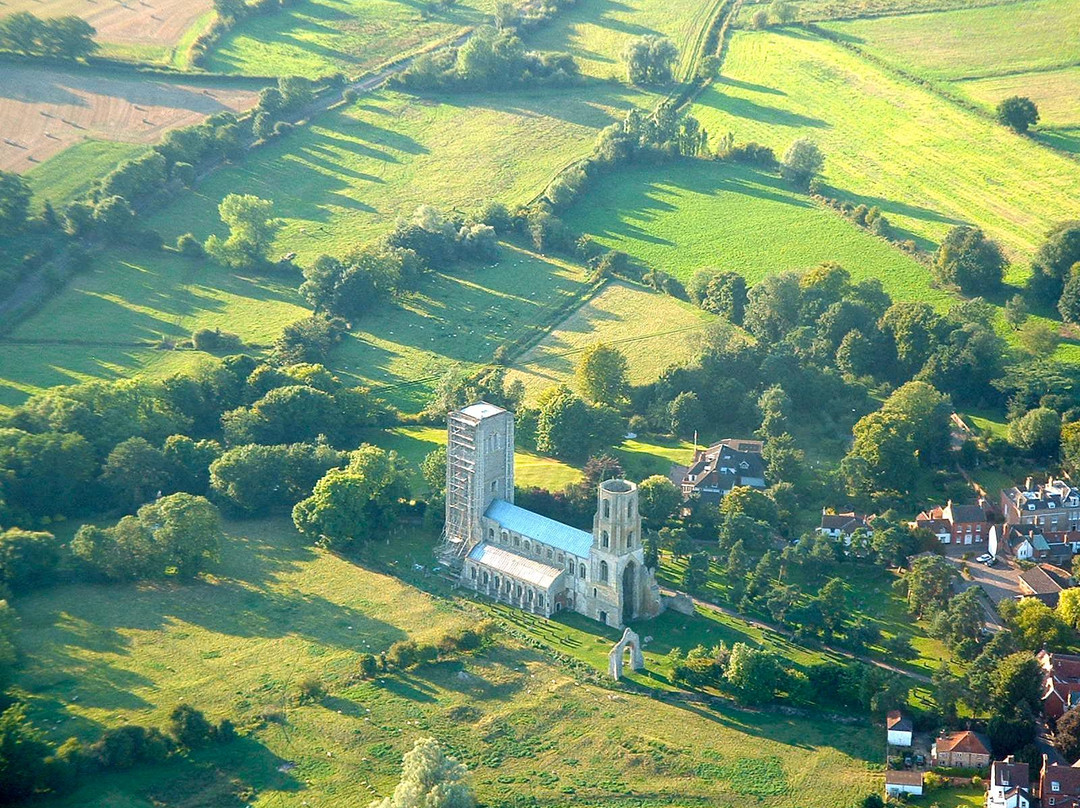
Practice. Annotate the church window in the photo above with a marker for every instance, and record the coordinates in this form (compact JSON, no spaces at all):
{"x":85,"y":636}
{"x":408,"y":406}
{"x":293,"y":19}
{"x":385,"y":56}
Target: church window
{"x":525,"y":546}
{"x":485,"y":578}
{"x":603,"y":572}
{"x":607,"y":508}
{"x":495,"y":580}
{"x":630,"y":539}
{"x":505,"y":537}
{"x":517,"y":541}
{"x":605,"y":542}
{"x":473,"y":571}
{"x":594,"y":591}
{"x":630,"y":509}
{"x":494,"y":485}
{"x":530,"y":596}
{"x":581,"y":571}
{"x":549,"y":552}
{"x":491,"y":534}
{"x":560,"y":558}
{"x":540,"y":600}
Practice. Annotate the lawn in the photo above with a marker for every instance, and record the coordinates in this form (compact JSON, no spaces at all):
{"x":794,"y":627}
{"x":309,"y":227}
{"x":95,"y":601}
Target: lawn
{"x":319,"y":37}
{"x":927,"y":163}
{"x":694,"y":214}
{"x":73,"y":172}
{"x":346,"y":177}
{"x":596,"y":31}
{"x":276,"y":611}
{"x":653,"y":331}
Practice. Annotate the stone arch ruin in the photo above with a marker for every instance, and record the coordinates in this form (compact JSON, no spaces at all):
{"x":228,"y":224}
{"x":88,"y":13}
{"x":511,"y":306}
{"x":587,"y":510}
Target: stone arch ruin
{"x":615,"y":657}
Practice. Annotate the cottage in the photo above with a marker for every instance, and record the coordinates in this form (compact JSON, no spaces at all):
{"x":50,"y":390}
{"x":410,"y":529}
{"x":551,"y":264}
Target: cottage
{"x":964,"y":750}
{"x":1053,"y":505}
{"x":1032,"y":543}
{"x":1061,"y":683}
{"x":903,"y":782}
{"x":1045,"y":582}
{"x":1009,"y":785}
{"x":956,"y":524}
{"x":844,"y":525}
{"x":1059,"y":786}
{"x":899,"y":728}
{"x":715,"y":471}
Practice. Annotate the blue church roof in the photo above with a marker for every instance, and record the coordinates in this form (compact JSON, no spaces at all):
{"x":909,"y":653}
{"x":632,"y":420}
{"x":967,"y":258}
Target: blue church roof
{"x":540,"y":528}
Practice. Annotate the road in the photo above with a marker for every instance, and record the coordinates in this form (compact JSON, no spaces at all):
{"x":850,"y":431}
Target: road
{"x":761,"y":624}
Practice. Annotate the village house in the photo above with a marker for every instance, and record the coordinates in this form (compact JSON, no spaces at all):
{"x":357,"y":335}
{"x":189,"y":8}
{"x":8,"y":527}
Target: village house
{"x":962,"y":750}
{"x":1059,"y":786}
{"x":1053,"y":506}
{"x":1032,"y":543}
{"x":1061,"y":683}
{"x":956,"y":524}
{"x":719,"y":468}
{"x":903,"y":782}
{"x":899,"y":728}
{"x":844,"y":525}
{"x":1045,"y":582}
{"x":1009,"y":785}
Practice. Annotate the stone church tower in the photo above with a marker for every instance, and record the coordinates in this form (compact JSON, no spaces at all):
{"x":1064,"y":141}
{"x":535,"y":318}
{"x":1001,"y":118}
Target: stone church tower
{"x":479,"y":467}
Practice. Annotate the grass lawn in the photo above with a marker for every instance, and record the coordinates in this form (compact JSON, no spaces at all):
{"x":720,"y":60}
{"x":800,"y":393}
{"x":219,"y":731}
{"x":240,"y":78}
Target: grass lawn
{"x":276,"y":611}
{"x":926,"y":163}
{"x":347,"y":176}
{"x":694,"y":214}
{"x":653,"y":331}
{"x":319,"y":37}
{"x":73,"y":172}
{"x":596,"y":31}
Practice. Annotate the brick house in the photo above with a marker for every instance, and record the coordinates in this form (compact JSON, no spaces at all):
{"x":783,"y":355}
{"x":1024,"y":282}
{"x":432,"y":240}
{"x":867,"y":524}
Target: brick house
{"x":1053,"y":505}
{"x":956,"y":524}
{"x":1032,"y":543}
{"x":1045,"y":582}
{"x":962,"y":750}
{"x":1061,"y":683}
{"x":1059,"y":786}
{"x":716,"y":470}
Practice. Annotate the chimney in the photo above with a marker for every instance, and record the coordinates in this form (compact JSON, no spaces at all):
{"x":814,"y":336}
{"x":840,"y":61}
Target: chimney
{"x":1027,"y":484}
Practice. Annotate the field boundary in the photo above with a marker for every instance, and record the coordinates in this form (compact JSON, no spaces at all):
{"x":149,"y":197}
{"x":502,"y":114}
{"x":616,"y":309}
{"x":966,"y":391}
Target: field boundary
{"x":911,"y":12}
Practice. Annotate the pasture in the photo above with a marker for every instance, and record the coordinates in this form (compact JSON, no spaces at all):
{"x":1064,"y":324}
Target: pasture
{"x":653,"y":331}
{"x":925,"y":162}
{"x":71,"y":173}
{"x":145,"y":30}
{"x":693,"y":214}
{"x":276,"y":611}
{"x":596,"y":31}
{"x":319,"y":37}
{"x":818,"y":10}
{"x":45,"y":111}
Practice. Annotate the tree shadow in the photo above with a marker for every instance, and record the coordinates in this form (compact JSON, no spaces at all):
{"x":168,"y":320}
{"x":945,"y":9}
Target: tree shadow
{"x":745,"y":108}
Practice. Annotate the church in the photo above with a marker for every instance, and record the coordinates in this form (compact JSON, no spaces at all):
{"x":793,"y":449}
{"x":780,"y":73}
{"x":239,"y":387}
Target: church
{"x":527,"y":560}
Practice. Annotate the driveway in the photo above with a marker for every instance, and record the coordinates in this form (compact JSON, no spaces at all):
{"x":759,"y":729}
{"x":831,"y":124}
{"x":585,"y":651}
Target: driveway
{"x":1000,"y":581}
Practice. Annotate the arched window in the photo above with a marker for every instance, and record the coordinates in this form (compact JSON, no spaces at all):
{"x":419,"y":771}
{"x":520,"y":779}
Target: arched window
{"x":491,"y":534}
{"x":603,"y":572}
{"x":472,"y":570}
{"x":549,"y":552}
{"x":540,"y":601}
{"x":607,"y":508}
{"x":504,"y":537}
{"x":605,"y":542}
{"x":630,"y":509}
{"x":630,"y":539}
{"x":485,"y":578}
{"x":516,"y":541}
{"x":525,"y":546}
{"x":581,"y":571}
{"x":560,"y":558}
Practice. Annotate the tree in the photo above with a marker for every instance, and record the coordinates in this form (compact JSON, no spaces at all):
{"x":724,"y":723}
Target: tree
{"x":753,"y":674}
{"x":15,"y":197}
{"x":696,"y":573}
{"x":658,"y":498}
{"x":742,"y":500}
{"x":961,"y":620}
{"x":1018,"y":113}
{"x":506,"y":15}
{"x":1017,"y":687}
{"x":22,"y":755}
{"x":1070,"y":446}
{"x":190,"y":727}
{"x":355,"y":504}
{"x":722,"y":293}
{"x":1039,"y":338}
{"x":947,"y":689}
{"x":650,"y":59}
{"x":774,"y":405}
{"x":430,"y":779}
{"x":1016,"y":311}
{"x":802,"y":162}
{"x":1069,"y":303}
{"x":134,"y":472}
{"x":252,"y":229}
{"x":433,"y":470}
{"x":1067,"y":734}
{"x":27,"y":559}
{"x":928,"y":583}
{"x":1035,"y":625}
{"x":263,"y":478}
{"x":832,"y":604}
{"x":1052,"y":262}
{"x":686,"y":413}
{"x":601,"y":375}
{"x":1036,"y":432}
{"x":968,"y":259}
{"x":568,"y":427}
{"x":782,"y":11}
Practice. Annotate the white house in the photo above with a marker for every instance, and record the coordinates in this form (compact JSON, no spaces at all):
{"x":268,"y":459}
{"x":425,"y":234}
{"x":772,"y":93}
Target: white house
{"x":897,"y":783}
{"x":1009,"y":785}
{"x":899,"y":727}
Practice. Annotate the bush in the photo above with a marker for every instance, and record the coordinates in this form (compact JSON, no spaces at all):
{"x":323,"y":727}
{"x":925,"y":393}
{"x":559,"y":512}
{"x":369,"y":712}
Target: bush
{"x":189,"y":246}
{"x":310,"y":690}
{"x":214,"y":340}
{"x":190,"y":728}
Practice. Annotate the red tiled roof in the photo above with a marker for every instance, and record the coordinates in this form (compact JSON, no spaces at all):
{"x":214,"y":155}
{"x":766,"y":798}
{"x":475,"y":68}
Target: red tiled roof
{"x":1067,"y":778}
{"x":904,"y":778}
{"x":966,"y":741}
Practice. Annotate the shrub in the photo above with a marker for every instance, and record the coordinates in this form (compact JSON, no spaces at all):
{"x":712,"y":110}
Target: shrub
{"x":214,"y":340}
{"x":310,"y":690}
{"x":190,"y":728}
{"x":188,"y":245}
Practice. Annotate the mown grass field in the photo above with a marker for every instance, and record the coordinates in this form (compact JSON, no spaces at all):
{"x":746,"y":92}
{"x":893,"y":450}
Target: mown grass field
{"x":816,"y":10}
{"x":596,"y":31}
{"x":276,"y":611}
{"x":1055,"y":92}
{"x":319,"y":37}
{"x":653,"y":331}
{"x":925,"y":162}
{"x":72,"y":172}
{"x":695,"y":214}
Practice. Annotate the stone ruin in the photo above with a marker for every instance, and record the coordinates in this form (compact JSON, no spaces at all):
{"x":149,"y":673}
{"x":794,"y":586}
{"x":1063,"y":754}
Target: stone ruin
{"x":615,"y":657}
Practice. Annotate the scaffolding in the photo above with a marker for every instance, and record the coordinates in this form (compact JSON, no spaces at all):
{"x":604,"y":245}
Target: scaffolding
{"x":461,"y":489}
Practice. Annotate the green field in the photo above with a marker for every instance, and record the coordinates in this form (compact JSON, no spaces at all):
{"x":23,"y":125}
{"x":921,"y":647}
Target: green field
{"x":596,"y":31}
{"x":73,"y":172}
{"x":927,"y":163}
{"x":693,"y":214}
{"x":817,"y":10}
{"x":1055,"y":92}
{"x":319,"y":37}
{"x":653,"y":331}
{"x":275,"y":611}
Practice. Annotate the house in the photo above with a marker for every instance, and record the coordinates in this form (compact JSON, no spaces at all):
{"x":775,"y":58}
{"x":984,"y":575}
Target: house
{"x":956,"y":524}
{"x":1053,"y":505}
{"x":715,"y":471}
{"x":1032,"y":543}
{"x":844,"y":525}
{"x":899,"y":727}
{"x":903,"y":782}
{"x":1009,"y":785}
{"x":1045,"y":582}
{"x":1059,"y":786}
{"x":1061,"y":683}
{"x":963,"y":750}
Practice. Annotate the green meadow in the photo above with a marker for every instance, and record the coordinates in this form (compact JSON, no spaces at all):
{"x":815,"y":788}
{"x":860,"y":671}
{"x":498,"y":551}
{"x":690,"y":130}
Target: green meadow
{"x":73,"y":172}
{"x":817,"y":10}
{"x":320,"y":37}
{"x":275,"y":611}
{"x":1055,"y":92}
{"x":925,"y":162}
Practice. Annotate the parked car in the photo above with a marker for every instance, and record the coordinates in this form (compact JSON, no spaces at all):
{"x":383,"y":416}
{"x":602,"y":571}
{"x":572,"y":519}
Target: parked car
{"x":991,"y":562}
{"x":985,"y":557}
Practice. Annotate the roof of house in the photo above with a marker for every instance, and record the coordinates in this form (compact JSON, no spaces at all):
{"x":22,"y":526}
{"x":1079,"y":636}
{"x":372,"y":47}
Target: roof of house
{"x":1045,"y":579}
{"x":966,"y":741}
{"x":964,"y":513}
{"x":540,"y":528}
{"x":1052,"y":494}
{"x":1061,"y":666}
{"x":845,"y":522}
{"x":726,"y":464}
{"x":482,"y":410}
{"x":896,"y":720}
{"x":1067,"y":778}
{"x":515,"y":566}
{"x":1009,"y":773}
{"x":903,"y":778}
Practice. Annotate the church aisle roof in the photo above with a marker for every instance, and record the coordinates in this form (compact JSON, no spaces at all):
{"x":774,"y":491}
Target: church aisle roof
{"x":514,"y":566}
{"x":540,"y":528}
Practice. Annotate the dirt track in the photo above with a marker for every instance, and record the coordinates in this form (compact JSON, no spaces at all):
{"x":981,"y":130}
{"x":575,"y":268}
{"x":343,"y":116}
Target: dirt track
{"x":128,"y":22}
{"x":43,"y":112}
